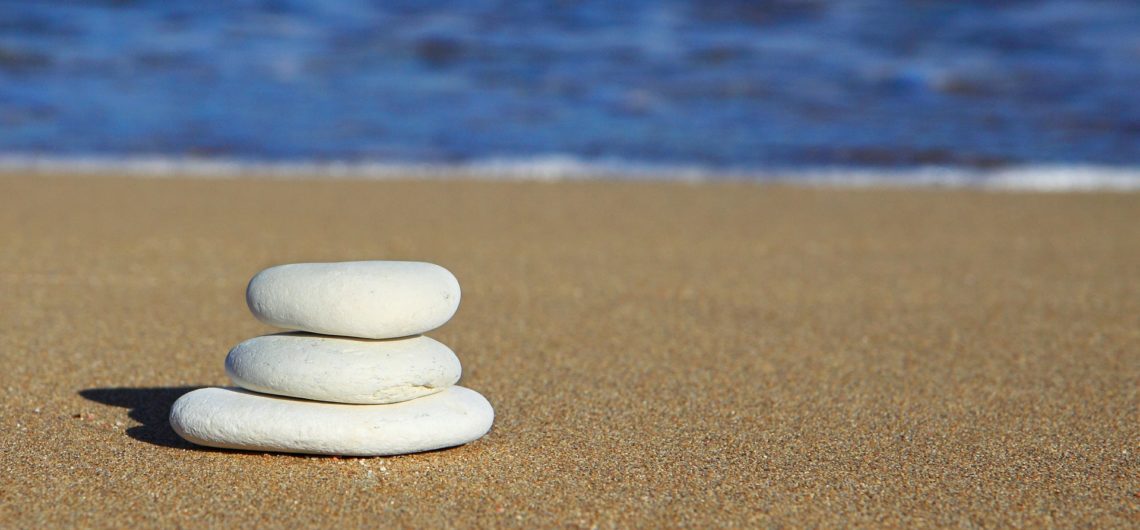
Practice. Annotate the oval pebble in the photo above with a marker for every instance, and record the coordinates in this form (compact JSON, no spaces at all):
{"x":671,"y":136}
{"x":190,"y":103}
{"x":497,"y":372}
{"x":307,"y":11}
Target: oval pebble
{"x":366,"y":299}
{"x":232,"y":418}
{"x":343,"y":370}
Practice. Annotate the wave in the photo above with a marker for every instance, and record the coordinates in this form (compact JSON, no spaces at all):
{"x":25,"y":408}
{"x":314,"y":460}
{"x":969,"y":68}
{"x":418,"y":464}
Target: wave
{"x":1034,"y":177}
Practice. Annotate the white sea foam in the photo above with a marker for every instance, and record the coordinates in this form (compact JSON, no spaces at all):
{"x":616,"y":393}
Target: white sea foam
{"x":561,"y":168}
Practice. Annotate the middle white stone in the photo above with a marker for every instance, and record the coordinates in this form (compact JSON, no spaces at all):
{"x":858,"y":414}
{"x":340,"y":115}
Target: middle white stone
{"x":343,"y":370}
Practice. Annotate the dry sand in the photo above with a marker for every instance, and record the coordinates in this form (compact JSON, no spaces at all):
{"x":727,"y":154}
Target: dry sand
{"x":658,"y":354}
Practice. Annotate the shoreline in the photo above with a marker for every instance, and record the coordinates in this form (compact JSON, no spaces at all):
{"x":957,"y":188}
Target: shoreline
{"x":1025,"y":178}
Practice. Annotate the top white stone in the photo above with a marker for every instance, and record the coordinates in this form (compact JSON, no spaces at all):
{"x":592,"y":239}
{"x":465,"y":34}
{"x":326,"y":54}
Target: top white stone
{"x":366,"y":299}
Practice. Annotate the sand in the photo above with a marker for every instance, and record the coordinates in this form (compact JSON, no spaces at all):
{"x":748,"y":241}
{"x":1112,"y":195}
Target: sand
{"x":658,"y":354}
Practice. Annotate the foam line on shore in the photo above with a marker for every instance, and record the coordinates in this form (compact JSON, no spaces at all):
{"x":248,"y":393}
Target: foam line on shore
{"x":1030,"y":177}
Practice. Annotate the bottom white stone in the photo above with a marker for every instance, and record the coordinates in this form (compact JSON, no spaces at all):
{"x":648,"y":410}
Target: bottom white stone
{"x":239,"y":419}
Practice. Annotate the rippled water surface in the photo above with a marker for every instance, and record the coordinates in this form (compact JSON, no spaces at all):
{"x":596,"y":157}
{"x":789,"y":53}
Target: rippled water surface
{"x":721,"y":84}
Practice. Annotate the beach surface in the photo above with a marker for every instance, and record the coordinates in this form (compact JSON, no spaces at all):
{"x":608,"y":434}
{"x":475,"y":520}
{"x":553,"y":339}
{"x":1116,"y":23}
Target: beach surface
{"x":658,"y":355}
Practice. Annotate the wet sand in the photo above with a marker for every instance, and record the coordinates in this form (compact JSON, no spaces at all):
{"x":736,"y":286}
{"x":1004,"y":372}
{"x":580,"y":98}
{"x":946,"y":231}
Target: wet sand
{"x":658,"y":354}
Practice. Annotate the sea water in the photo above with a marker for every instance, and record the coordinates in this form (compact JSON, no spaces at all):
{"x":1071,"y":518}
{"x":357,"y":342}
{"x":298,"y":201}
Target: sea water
{"x":836,"y":91}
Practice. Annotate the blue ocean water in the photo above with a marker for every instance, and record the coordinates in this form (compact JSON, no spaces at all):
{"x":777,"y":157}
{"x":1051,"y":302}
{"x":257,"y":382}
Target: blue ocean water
{"x":720,"y":84}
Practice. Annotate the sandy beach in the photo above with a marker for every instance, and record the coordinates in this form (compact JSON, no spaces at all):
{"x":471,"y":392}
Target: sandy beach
{"x":658,"y":355}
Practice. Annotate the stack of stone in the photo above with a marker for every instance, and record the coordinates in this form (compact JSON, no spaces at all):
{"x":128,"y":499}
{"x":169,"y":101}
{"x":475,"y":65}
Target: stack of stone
{"x":358,"y":379}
